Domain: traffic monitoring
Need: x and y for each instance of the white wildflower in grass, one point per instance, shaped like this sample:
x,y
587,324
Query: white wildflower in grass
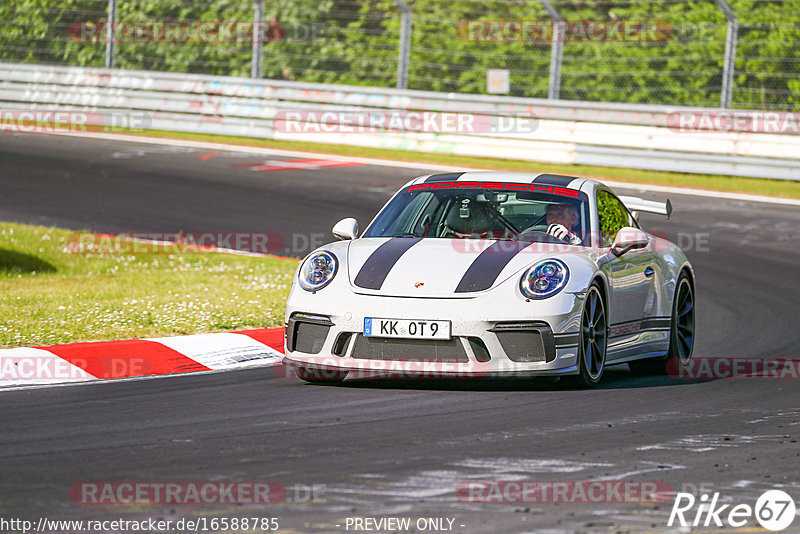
x,y
94,295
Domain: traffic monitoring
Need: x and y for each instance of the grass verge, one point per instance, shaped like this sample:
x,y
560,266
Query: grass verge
x,y
759,186
50,294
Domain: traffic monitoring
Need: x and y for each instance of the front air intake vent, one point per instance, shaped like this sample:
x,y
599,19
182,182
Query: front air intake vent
x,y
310,337
442,351
526,342
522,346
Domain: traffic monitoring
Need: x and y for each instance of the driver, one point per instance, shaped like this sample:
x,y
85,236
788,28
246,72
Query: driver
x,y
561,218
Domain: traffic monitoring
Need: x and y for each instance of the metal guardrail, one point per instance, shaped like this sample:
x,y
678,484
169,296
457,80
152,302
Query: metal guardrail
x,y
616,135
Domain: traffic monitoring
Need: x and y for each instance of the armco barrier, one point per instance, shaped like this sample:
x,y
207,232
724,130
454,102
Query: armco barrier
x,y
588,133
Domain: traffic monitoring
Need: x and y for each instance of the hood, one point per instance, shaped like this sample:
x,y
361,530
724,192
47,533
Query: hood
x,y
435,267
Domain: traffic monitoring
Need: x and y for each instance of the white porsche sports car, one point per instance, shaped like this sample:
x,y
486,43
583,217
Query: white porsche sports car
x,y
493,274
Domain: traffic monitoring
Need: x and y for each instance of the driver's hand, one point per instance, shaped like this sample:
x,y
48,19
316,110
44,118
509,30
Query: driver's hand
x,y
560,231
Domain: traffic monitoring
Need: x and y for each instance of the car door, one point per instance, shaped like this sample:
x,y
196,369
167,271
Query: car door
x,y
630,275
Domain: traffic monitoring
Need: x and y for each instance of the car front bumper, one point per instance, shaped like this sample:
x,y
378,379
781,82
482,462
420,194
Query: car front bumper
x,y
488,338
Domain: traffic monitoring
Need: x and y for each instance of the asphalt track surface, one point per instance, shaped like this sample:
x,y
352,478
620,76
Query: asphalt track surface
x,y
396,449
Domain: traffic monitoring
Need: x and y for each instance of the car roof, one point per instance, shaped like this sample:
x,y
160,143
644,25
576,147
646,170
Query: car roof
x,y
560,180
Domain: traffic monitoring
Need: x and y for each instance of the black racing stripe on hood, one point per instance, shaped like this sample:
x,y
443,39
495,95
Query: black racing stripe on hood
x,y
381,261
553,179
488,265
444,177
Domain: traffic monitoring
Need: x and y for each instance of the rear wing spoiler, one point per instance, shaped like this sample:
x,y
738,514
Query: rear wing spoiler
x,y
636,204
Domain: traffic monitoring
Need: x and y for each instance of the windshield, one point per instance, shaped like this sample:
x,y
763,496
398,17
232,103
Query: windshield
x,y
478,213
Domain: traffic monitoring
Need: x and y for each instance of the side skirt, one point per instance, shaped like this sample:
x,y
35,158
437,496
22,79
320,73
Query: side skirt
x,y
638,356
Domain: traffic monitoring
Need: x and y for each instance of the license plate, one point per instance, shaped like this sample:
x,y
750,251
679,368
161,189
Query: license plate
x,y
406,328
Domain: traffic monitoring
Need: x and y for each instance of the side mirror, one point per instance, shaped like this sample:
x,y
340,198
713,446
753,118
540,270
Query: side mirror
x,y
629,238
345,229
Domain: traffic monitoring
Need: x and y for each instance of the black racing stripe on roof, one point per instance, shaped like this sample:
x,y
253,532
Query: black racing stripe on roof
x,y
444,177
488,265
381,261
553,179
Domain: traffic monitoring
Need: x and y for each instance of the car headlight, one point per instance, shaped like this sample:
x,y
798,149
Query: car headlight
x,y
318,270
544,279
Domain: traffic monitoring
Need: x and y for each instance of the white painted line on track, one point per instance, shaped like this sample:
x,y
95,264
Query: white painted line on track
x,y
208,145
94,382
411,165
652,188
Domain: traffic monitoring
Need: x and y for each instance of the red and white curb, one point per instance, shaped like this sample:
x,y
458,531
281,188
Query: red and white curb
x,y
108,360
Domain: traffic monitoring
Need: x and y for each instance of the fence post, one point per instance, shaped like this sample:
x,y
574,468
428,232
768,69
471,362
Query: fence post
x,y
405,44
730,54
556,51
258,38
112,33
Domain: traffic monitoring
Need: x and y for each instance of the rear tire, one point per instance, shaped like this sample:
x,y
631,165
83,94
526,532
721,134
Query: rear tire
x,y
681,336
320,376
593,340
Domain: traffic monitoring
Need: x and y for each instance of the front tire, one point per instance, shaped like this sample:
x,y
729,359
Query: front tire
x,y
593,339
681,337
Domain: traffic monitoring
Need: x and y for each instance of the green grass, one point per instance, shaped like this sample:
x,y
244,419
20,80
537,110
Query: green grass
x,y
760,186
51,293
